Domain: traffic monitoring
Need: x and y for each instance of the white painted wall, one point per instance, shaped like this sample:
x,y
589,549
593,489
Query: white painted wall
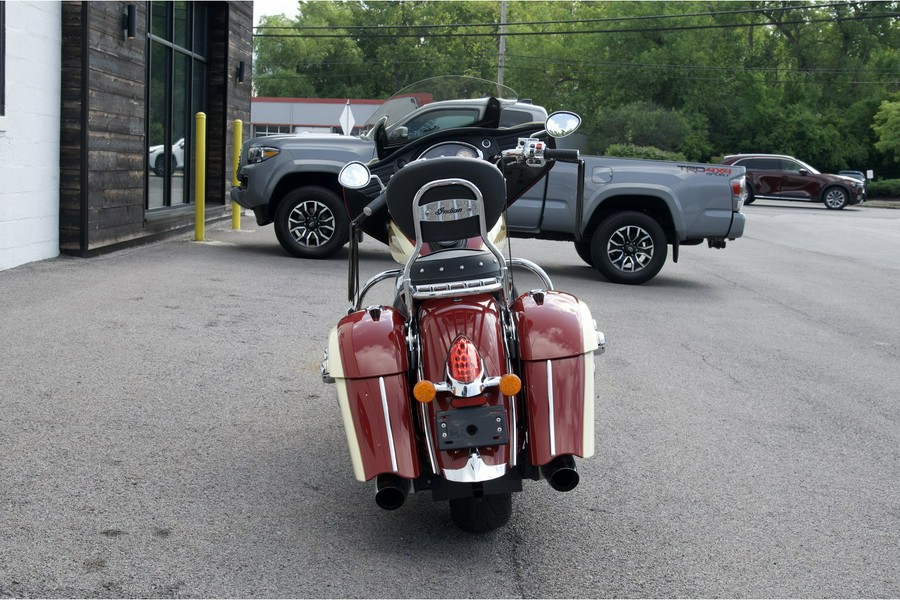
x,y
29,134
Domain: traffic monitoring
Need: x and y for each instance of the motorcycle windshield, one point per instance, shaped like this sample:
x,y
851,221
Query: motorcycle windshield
x,y
415,118
435,89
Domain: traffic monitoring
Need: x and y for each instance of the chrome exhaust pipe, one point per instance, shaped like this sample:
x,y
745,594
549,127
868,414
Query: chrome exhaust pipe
x,y
561,474
391,491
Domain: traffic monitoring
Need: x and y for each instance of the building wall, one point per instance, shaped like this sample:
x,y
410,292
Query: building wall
x,y
311,114
104,121
231,40
29,134
102,127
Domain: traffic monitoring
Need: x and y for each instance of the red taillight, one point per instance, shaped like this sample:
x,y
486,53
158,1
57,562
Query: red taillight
x,y
463,363
737,186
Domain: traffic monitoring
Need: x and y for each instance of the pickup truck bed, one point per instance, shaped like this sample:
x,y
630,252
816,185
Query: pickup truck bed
x,y
632,210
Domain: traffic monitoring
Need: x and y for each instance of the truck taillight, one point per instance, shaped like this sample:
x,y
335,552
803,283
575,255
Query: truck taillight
x,y
738,192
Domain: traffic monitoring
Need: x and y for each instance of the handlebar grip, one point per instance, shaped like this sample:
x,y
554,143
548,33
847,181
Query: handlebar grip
x,y
375,204
561,154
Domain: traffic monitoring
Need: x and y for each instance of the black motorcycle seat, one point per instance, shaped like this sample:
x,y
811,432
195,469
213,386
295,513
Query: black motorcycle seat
x,y
454,265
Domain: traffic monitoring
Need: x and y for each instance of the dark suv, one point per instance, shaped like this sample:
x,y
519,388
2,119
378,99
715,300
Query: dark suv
x,y
777,177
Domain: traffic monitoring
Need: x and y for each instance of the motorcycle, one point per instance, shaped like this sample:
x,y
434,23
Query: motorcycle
x,y
459,384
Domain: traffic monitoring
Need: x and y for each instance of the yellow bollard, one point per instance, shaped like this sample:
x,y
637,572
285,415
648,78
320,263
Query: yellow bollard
x,y
236,151
200,179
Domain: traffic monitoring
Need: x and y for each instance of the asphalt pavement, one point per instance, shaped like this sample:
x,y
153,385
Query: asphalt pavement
x,y
164,431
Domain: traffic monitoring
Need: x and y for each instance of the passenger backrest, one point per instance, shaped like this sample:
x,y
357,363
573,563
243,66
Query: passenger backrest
x,y
455,216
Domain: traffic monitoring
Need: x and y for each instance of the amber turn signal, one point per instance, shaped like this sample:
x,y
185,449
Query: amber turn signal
x,y
424,391
510,385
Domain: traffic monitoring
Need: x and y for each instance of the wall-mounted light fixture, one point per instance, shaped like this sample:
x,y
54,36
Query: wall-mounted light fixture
x,y
129,21
240,72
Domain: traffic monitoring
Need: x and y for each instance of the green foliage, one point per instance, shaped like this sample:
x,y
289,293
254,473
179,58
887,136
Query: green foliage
x,y
884,188
648,152
887,126
699,78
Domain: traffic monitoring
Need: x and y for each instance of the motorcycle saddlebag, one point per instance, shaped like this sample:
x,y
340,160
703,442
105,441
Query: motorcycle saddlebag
x,y
367,358
557,339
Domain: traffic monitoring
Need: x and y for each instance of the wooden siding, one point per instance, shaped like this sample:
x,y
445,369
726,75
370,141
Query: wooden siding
x,y
103,146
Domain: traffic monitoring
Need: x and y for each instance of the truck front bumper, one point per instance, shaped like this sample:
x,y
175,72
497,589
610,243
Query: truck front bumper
x,y
245,200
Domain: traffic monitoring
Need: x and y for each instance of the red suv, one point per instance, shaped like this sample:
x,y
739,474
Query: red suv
x,y
777,177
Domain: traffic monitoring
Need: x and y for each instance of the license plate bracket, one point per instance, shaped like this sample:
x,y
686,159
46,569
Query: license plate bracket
x,y
473,427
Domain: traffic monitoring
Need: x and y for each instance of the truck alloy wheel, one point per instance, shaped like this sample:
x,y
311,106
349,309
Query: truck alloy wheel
x,y
629,247
311,222
835,198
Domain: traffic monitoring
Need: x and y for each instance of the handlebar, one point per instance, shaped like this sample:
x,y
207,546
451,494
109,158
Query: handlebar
x,y
534,152
561,154
375,204
371,208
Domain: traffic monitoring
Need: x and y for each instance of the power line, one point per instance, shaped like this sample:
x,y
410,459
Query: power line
x,y
617,64
590,31
794,76
556,22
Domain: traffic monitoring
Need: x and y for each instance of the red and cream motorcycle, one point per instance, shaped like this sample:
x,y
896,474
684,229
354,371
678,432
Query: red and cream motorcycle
x,y
457,383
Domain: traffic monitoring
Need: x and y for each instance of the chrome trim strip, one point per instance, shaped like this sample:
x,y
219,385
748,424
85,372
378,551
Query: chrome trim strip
x,y
513,435
460,288
552,416
466,390
475,470
387,423
429,438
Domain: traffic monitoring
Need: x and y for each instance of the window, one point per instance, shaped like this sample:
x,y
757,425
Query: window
x,y
264,130
178,90
790,166
510,117
438,119
770,164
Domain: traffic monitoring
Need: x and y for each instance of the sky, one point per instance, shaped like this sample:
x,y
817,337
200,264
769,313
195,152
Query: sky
x,y
273,7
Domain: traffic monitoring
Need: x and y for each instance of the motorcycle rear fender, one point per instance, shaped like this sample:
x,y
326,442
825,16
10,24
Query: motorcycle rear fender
x,y
368,360
478,318
557,339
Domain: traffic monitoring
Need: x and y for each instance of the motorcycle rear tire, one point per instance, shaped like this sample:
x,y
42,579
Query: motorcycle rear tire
x,y
480,515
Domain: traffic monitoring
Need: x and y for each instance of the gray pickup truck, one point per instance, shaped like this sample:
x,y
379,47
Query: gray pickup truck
x,y
631,211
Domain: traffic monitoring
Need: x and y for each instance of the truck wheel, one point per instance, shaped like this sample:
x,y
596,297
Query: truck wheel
x,y
159,167
480,515
311,222
629,247
835,198
584,251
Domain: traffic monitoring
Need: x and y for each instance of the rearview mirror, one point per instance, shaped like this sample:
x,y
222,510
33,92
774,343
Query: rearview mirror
x,y
355,175
560,124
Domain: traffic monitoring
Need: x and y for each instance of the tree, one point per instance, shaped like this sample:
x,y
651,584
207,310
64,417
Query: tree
x,y
887,127
714,78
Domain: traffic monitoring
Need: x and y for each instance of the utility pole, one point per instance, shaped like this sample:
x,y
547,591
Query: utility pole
x,y
502,58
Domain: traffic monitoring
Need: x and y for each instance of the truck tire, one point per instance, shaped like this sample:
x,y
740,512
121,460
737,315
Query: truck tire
x,y
311,222
750,196
480,515
584,251
159,167
629,247
835,198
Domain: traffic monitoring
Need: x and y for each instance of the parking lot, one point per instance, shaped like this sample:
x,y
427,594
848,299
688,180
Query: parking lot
x,y
165,432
